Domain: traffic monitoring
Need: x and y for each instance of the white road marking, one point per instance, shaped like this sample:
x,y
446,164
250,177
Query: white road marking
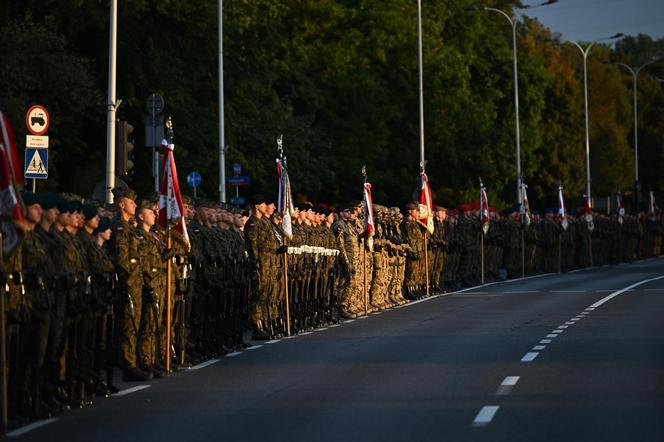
x,y
570,323
235,353
653,290
551,336
204,364
320,329
568,291
557,331
377,313
574,271
348,321
253,347
616,293
539,347
485,416
334,325
304,333
575,319
545,341
530,356
273,341
506,386
563,326
362,317
606,290
520,292
33,426
131,390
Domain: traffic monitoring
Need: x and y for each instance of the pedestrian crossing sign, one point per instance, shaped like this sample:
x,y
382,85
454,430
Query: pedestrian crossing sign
x,y
36,163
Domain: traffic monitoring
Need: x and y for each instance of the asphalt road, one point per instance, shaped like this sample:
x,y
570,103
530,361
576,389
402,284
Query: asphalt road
x,y
560,357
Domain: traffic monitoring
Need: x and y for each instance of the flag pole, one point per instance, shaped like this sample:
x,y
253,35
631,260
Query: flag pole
x,y
168,303
523,250
288,332
169,127
482,254
364,271
3,351
426,261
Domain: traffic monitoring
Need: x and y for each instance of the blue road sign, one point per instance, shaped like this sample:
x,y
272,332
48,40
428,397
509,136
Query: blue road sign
x,y
194,179
36,163
237,169
238,200
242,180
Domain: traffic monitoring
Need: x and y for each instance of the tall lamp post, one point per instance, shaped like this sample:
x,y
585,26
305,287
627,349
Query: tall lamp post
x,y
585,53
513,22
635,81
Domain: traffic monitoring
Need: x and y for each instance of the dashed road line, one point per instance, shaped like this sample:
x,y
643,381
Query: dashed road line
x,y
506,386
545,341
563,326
568,291
485,416
550,335
233,354
33,426
273,341
204,364
539,347
253,347
530,356
131,390
570,323
521,292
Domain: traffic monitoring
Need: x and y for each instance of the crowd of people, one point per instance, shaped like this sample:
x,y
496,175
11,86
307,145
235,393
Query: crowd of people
x,y
87,291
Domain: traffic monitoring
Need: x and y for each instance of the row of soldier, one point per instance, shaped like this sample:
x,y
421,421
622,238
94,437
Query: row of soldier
x,y
87,293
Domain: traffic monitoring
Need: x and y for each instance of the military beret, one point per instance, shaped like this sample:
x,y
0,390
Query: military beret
x,y
412,206
90,210
29,198
48,200
439,209
75,206
120,192
62,204
104,224
305,206
257,199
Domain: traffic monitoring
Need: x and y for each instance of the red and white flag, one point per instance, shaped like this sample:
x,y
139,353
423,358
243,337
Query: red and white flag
x,y
426,204
620,208
369,226
171,209
484,209
11,205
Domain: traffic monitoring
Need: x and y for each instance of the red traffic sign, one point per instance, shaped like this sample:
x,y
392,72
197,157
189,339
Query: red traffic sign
x,y
37,120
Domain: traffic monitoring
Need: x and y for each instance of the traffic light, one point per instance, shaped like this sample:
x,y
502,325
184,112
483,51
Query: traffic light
x,y
124,147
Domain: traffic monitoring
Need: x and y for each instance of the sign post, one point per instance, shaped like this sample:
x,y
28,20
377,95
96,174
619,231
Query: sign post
x,y
37,121
194,180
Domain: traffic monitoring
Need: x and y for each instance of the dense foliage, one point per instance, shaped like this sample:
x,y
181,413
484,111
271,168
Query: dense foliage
x,y
339,79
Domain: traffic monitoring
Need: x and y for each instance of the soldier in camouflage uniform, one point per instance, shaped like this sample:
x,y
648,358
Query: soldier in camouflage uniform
x,y
127,248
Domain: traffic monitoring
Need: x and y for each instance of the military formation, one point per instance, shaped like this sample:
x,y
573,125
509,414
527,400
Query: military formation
x,y
87,292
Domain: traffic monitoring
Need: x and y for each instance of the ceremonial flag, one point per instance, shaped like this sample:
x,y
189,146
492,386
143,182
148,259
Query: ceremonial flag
x,y
285,200
369,226
11,205
586,204
484,209
525,207
426,204
562,213
171,209
652,205
620,208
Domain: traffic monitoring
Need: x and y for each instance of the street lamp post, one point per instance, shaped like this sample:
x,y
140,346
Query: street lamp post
x,y
585,53
513,22
635,81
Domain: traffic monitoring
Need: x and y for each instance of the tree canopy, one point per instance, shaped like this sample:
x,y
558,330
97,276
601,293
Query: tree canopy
x,y
340,80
